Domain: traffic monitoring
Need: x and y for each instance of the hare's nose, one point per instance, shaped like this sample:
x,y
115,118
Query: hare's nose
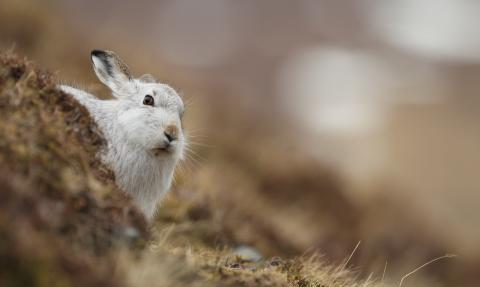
x,y
171,132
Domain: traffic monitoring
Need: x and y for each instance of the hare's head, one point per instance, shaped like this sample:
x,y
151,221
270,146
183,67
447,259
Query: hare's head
x,y
149,114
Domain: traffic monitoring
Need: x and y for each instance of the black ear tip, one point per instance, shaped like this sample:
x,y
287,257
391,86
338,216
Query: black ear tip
x,y
98,53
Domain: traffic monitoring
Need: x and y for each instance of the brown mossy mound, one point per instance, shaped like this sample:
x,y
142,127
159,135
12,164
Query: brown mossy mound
x,y
63,221
59,205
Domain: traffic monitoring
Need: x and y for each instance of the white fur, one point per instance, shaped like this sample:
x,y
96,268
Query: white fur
x,y
133,130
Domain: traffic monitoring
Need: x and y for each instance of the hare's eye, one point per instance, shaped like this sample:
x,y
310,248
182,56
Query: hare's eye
x,y
148,100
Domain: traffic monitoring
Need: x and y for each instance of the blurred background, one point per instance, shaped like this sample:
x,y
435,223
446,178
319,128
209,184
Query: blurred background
x,y
315,124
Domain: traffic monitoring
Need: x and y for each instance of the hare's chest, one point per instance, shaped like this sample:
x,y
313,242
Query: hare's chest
x,y
138,172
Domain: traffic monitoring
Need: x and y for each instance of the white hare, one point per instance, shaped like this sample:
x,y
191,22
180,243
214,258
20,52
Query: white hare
x,y
142,126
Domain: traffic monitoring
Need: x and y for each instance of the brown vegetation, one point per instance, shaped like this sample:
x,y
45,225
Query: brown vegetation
x,y
63,222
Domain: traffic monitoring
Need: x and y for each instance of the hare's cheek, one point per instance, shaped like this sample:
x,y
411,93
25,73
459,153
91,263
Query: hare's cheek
x,y
133,128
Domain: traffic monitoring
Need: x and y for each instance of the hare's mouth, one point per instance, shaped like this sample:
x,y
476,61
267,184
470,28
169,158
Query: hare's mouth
x,y
163,150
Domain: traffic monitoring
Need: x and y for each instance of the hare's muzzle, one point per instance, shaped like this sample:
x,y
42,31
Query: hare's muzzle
x,y
171,133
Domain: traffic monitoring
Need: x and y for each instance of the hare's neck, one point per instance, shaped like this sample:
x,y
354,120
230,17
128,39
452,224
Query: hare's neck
x,y
143,176
102,111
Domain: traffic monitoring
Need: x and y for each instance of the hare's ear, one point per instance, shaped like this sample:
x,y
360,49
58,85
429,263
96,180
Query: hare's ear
x,y
147,78
110,69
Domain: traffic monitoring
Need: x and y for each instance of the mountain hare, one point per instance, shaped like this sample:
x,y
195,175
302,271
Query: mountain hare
x,y
142,126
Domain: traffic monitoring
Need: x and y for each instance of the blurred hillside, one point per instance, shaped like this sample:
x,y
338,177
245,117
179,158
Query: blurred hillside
x,y
63,222
317,124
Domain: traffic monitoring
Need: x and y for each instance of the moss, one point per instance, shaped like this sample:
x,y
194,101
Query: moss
x,y
53,184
